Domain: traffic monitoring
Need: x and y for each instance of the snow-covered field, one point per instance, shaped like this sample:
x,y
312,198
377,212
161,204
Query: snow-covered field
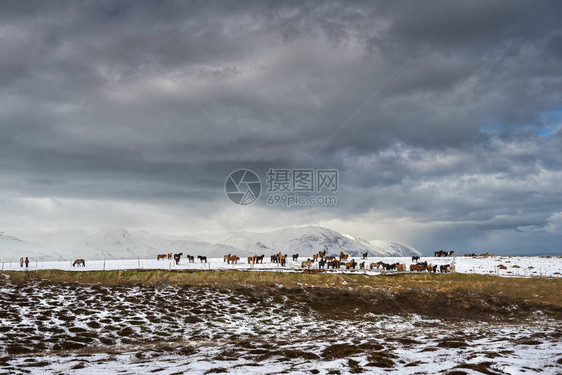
x,y
94,329
521,266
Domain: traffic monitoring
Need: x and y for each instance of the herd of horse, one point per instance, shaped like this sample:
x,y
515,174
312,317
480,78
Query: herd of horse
x,y
335,262
484,255
322,259
177,257
443,253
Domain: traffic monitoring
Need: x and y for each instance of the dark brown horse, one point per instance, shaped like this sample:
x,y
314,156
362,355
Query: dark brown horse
x,y
445,268
79,262
177,258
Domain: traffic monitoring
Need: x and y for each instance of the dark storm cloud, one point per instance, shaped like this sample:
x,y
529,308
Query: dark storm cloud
x,y
465,136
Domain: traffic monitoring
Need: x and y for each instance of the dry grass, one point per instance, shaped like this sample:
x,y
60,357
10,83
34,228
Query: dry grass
x,y
544,290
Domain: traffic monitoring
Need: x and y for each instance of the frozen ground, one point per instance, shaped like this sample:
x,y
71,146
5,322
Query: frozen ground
x,y
550,266
92,329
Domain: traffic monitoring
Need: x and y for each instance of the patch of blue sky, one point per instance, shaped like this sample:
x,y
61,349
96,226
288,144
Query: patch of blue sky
x,y
551,120
546,124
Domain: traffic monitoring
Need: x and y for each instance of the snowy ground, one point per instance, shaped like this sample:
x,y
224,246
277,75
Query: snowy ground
x,y
516,266
94,329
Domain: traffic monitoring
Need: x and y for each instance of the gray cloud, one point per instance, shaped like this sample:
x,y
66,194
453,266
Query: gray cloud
x,y
463,142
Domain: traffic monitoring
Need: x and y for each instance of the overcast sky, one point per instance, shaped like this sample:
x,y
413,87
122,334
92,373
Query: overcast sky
x,y
442,118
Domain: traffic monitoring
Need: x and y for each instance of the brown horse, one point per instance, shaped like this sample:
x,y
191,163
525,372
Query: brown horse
x,y
343,256
232,258
322,254
334,264
418,267
377,265
315,258
79,262
162,256
252,259
169,256
306,263
282,259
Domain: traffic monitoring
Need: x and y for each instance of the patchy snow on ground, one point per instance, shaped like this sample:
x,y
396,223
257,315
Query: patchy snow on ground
x,y
95,329
520,266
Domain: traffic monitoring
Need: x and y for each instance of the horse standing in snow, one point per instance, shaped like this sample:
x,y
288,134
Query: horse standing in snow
x,y
79,262
177,258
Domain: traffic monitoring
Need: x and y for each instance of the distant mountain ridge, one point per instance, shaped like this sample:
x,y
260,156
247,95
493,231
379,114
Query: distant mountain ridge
x,y
125,243
307,241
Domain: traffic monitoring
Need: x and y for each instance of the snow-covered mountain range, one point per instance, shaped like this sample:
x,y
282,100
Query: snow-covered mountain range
x,y
130,244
